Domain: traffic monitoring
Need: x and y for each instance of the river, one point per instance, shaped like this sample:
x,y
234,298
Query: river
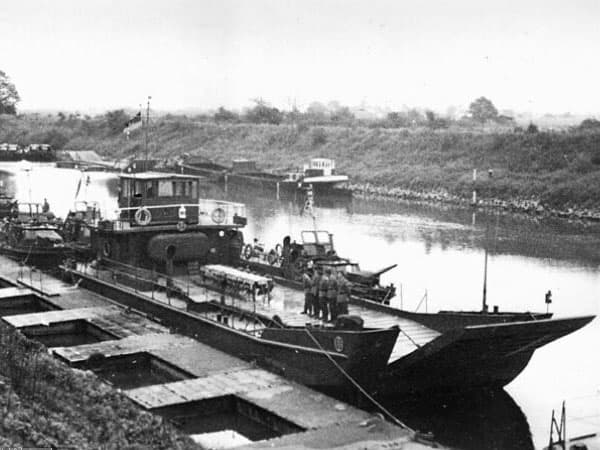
x,y
440,256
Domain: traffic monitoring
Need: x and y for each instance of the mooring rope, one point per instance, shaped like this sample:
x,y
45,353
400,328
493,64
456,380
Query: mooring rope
x,y
359,387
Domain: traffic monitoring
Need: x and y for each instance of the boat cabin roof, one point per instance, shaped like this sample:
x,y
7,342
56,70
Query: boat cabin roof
x,y
157,176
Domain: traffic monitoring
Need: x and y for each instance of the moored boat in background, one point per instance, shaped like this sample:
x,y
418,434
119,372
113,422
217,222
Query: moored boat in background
x,y
33,237
289,260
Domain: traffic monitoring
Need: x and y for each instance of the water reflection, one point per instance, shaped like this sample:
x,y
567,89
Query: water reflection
x,y
486,420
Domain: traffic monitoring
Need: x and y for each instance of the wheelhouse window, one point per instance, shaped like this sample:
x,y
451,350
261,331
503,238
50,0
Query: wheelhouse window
x,y
125,188
139,188
185,189
165,188
150,191
323,237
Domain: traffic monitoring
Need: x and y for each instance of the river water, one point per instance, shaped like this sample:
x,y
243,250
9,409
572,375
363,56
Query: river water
x,y
440,256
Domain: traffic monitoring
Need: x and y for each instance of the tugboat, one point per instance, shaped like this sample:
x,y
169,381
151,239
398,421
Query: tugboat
x,y
33,237
289,261
163,225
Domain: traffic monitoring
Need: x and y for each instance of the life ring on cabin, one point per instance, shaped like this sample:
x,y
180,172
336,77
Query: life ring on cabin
x,y
143,216
181,226
218,215
106,249
248,251
279,250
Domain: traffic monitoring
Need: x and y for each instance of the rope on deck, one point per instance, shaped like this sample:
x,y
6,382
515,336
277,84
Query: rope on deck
x,y
359,387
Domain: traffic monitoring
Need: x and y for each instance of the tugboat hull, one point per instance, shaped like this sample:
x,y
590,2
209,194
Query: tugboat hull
x,y
151,248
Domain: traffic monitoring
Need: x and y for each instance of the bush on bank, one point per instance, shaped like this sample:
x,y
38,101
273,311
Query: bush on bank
x,y
561,169
44,403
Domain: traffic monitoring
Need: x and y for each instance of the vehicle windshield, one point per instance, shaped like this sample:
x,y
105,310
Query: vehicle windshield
x,y
309,237
51,235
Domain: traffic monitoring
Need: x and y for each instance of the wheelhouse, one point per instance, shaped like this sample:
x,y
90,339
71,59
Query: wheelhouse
x,y
156,198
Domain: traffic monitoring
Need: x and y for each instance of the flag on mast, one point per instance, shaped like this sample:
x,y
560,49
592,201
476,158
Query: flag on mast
x,y
133,124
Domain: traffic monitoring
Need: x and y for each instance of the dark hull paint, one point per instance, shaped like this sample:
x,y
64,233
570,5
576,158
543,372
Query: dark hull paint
x,y
484,356
36,257
307,365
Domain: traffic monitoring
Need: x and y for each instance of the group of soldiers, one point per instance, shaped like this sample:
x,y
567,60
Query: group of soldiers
x,y
326,294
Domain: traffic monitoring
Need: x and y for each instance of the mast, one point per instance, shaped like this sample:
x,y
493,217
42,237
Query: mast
x,y
147,126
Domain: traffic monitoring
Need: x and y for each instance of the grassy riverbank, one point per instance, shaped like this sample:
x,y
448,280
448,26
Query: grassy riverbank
x,y
44,403
560,169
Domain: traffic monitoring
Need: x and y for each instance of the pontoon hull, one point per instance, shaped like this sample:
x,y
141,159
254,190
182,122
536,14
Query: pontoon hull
x,y
479,356
361,354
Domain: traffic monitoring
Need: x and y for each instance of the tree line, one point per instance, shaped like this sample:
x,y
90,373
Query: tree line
x,y
481,111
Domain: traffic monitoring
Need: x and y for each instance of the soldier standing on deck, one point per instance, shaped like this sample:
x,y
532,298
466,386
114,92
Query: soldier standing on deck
x,y
316,280
323,288
343,296
307,285
332,296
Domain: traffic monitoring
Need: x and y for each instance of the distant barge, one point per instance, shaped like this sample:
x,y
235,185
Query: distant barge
x,y
32,152
319,175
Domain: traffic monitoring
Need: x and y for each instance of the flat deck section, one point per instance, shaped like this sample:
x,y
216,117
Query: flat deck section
x,y
186,353
14,292
288,304
50,317
293,402
112,319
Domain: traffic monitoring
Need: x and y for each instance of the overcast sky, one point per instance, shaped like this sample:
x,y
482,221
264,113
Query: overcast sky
x,y
539,56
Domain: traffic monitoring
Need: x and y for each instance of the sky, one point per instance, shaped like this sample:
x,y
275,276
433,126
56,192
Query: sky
x,y
535,56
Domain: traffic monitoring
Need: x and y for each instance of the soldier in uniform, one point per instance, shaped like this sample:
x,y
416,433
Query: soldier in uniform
x,y
316,279
307,286
332,296
323,288
343,296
